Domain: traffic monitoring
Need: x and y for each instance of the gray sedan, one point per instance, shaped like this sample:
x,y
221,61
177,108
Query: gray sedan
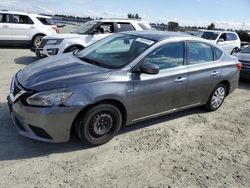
x,y
122,79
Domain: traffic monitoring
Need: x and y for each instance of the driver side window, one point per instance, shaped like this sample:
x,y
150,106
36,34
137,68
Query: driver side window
x,y
167,56
105,28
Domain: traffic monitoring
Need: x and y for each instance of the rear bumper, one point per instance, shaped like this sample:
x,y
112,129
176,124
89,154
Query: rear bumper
x,y
50,124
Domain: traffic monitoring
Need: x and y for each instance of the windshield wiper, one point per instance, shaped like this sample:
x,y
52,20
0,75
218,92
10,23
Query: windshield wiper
x,y
91,61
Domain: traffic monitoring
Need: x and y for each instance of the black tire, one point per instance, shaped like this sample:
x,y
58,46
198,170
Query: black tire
x,y
234,51
37,41
74,49
99,124
216,98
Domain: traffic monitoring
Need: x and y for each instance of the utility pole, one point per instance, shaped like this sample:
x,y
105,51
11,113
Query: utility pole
x,y
243,25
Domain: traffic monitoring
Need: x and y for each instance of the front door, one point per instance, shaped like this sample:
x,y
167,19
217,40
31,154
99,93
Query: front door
x,y
5,31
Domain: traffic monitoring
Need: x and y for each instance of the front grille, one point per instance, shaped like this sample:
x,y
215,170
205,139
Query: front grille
x,y
43,43
245,64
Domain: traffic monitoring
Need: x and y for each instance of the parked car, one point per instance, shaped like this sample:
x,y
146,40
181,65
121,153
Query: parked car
x,y
244,44
244,58
227,40
122,79
87,34
19,28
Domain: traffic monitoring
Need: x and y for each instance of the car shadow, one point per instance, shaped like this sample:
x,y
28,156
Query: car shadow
x,y
14,147
25,60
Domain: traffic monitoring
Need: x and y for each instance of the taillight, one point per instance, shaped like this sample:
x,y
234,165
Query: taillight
x,y
238,66
55,28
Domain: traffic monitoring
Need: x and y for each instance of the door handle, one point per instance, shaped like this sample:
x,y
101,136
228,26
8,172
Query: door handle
x,y
32,27
180,79
5,26
215,73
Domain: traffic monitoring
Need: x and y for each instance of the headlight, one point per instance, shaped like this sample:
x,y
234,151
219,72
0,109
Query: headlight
x,y
49,98
54,41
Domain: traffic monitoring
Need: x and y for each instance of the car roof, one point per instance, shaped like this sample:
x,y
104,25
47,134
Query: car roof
x,y
216,31
23,13
158,35
120,20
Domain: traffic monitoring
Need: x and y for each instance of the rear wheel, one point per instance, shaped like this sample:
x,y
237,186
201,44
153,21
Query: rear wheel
x,y
37,41
216,98
99,124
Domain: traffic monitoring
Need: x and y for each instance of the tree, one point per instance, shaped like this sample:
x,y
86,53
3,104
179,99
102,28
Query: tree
x,y
173,26
244,36
211,26
134,16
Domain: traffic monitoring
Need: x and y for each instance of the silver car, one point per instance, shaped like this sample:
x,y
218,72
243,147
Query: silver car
x,y
122,79
244,58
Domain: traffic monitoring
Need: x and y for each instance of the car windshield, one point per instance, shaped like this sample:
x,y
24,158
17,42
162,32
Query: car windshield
x,y
246,50
85,28
115,51
208,35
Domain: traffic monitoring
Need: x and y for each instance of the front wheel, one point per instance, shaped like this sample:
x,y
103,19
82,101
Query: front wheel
x,y
235,51
99,124
75,49
216,98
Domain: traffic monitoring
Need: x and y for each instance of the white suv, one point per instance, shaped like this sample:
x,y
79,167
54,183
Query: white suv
x,y
227,40
23,28
87,34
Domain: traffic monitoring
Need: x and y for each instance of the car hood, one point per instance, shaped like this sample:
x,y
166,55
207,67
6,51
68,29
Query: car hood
x,y
60,72
63,36
243,57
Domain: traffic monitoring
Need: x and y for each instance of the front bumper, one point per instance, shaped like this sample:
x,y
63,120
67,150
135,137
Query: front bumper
x,y
245,74
43,52
48,124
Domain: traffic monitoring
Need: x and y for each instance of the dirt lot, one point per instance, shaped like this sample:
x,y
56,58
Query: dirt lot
x,y
187,149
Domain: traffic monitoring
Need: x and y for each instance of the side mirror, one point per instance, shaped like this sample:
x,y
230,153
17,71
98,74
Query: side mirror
x,y
220,40
94,31
149,68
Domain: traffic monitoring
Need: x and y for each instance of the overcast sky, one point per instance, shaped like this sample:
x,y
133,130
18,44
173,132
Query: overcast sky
x,y
224,13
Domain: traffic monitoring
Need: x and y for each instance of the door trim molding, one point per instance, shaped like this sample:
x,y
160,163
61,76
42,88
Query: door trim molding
x,y
166,112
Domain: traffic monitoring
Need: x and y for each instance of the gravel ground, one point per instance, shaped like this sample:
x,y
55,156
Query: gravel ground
x,y
192,148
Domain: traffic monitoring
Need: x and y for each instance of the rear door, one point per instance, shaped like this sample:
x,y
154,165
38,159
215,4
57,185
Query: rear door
x,y
165,91
123,26
21,27
232,39
5,31
204,71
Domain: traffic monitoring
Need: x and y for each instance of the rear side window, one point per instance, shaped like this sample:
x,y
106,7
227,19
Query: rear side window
x,y
231,36
45,21
144,26
167,56
124,27
217,53
22,19
4,18
199,53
